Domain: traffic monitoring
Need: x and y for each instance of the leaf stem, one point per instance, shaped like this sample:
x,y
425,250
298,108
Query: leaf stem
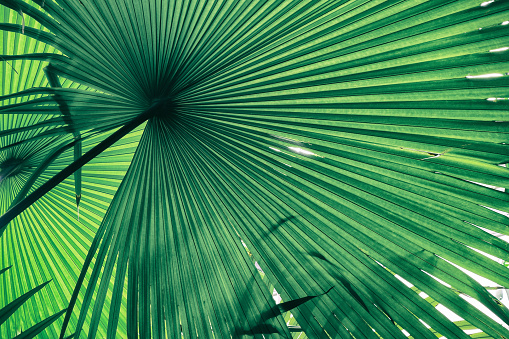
x,y
18,208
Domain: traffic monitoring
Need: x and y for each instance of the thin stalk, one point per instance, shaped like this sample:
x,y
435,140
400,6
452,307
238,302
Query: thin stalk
x,y
16,210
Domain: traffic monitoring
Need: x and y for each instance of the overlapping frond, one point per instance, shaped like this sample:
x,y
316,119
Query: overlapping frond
x,y
12,307
344,143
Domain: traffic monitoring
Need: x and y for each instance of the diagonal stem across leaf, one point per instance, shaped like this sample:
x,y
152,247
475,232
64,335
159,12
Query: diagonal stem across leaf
x,y
18,208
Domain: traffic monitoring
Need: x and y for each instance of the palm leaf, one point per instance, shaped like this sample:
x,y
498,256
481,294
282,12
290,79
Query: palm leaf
x,y
344,143
33,331
8,310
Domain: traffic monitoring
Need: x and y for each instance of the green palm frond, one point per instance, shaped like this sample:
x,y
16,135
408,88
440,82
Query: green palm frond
x,y
8,310
348,145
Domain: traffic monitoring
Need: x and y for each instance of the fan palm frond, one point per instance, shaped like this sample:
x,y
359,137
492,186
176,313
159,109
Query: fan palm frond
x,y
9,309
347,145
